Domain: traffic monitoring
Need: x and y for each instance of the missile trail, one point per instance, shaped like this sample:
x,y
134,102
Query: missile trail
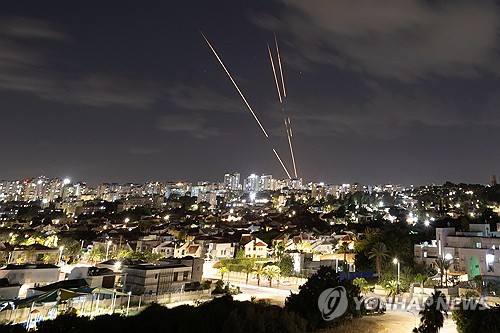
x,y
279,63
286,120
245,100
235,85
289,132
279,159
274,72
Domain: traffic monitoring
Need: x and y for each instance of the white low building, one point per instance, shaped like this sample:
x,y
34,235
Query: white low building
x,y
30,276
476,252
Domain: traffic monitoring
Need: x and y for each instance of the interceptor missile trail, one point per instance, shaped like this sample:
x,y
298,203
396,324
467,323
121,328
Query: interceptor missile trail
x,y
279,159
279,63
245,100
235,85
286,120
289,131
274,72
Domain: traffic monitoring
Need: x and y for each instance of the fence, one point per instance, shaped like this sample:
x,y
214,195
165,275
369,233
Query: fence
x,y
93,306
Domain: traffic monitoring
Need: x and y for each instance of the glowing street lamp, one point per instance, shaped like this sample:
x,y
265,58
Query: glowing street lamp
x,y
107,249
128,302
396,262
60,253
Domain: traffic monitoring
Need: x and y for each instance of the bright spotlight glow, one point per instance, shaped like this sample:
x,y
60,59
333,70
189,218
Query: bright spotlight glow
x,y
395,261
66,181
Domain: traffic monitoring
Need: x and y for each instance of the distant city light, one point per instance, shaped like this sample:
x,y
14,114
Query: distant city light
x,y
66,181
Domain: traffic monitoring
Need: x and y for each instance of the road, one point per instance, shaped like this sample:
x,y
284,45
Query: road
x,y
394,320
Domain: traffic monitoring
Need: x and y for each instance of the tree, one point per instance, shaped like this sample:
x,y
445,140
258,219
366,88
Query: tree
x,y
49,258
258,269
96,254
247,269
432,315
379,253
223,270
305,303
271,272
362,284
471,317
443,265
421,279
279,250
392,289
344,248
478,281
286,265
71,247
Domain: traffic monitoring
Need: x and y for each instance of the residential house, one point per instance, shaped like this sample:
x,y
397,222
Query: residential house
x,y
156,279
30,275
472,253
253,247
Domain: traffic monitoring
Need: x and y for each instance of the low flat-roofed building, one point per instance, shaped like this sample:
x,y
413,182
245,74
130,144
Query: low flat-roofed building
x,y
156,279
30,275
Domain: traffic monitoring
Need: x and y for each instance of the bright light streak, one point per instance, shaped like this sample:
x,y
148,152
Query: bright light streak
x,y
235,85
279,63
291,153
274,73
279,159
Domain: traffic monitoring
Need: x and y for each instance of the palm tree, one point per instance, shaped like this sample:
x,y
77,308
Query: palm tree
x,y
380,253
432,318
247,269
259,270
344,248
95,254
392,289
421,279
48,257
271,272
362,284
279,250
443,265
223,270
478,280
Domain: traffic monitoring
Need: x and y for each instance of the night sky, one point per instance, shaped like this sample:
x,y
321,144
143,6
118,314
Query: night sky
x,y
128,91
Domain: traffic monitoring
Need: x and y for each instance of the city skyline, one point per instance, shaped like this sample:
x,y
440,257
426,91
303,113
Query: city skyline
x,y
398,92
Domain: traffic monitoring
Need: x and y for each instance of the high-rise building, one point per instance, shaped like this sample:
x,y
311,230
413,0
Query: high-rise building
x,y
265,183
251,183
493,180
232,181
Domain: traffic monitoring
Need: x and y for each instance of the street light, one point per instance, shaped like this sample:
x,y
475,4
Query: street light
x,y
60,253
107,249
396,262
128,302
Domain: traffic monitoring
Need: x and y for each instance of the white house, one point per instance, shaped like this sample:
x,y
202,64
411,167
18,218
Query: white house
x,y
476,252
30,276
256,248
221,250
